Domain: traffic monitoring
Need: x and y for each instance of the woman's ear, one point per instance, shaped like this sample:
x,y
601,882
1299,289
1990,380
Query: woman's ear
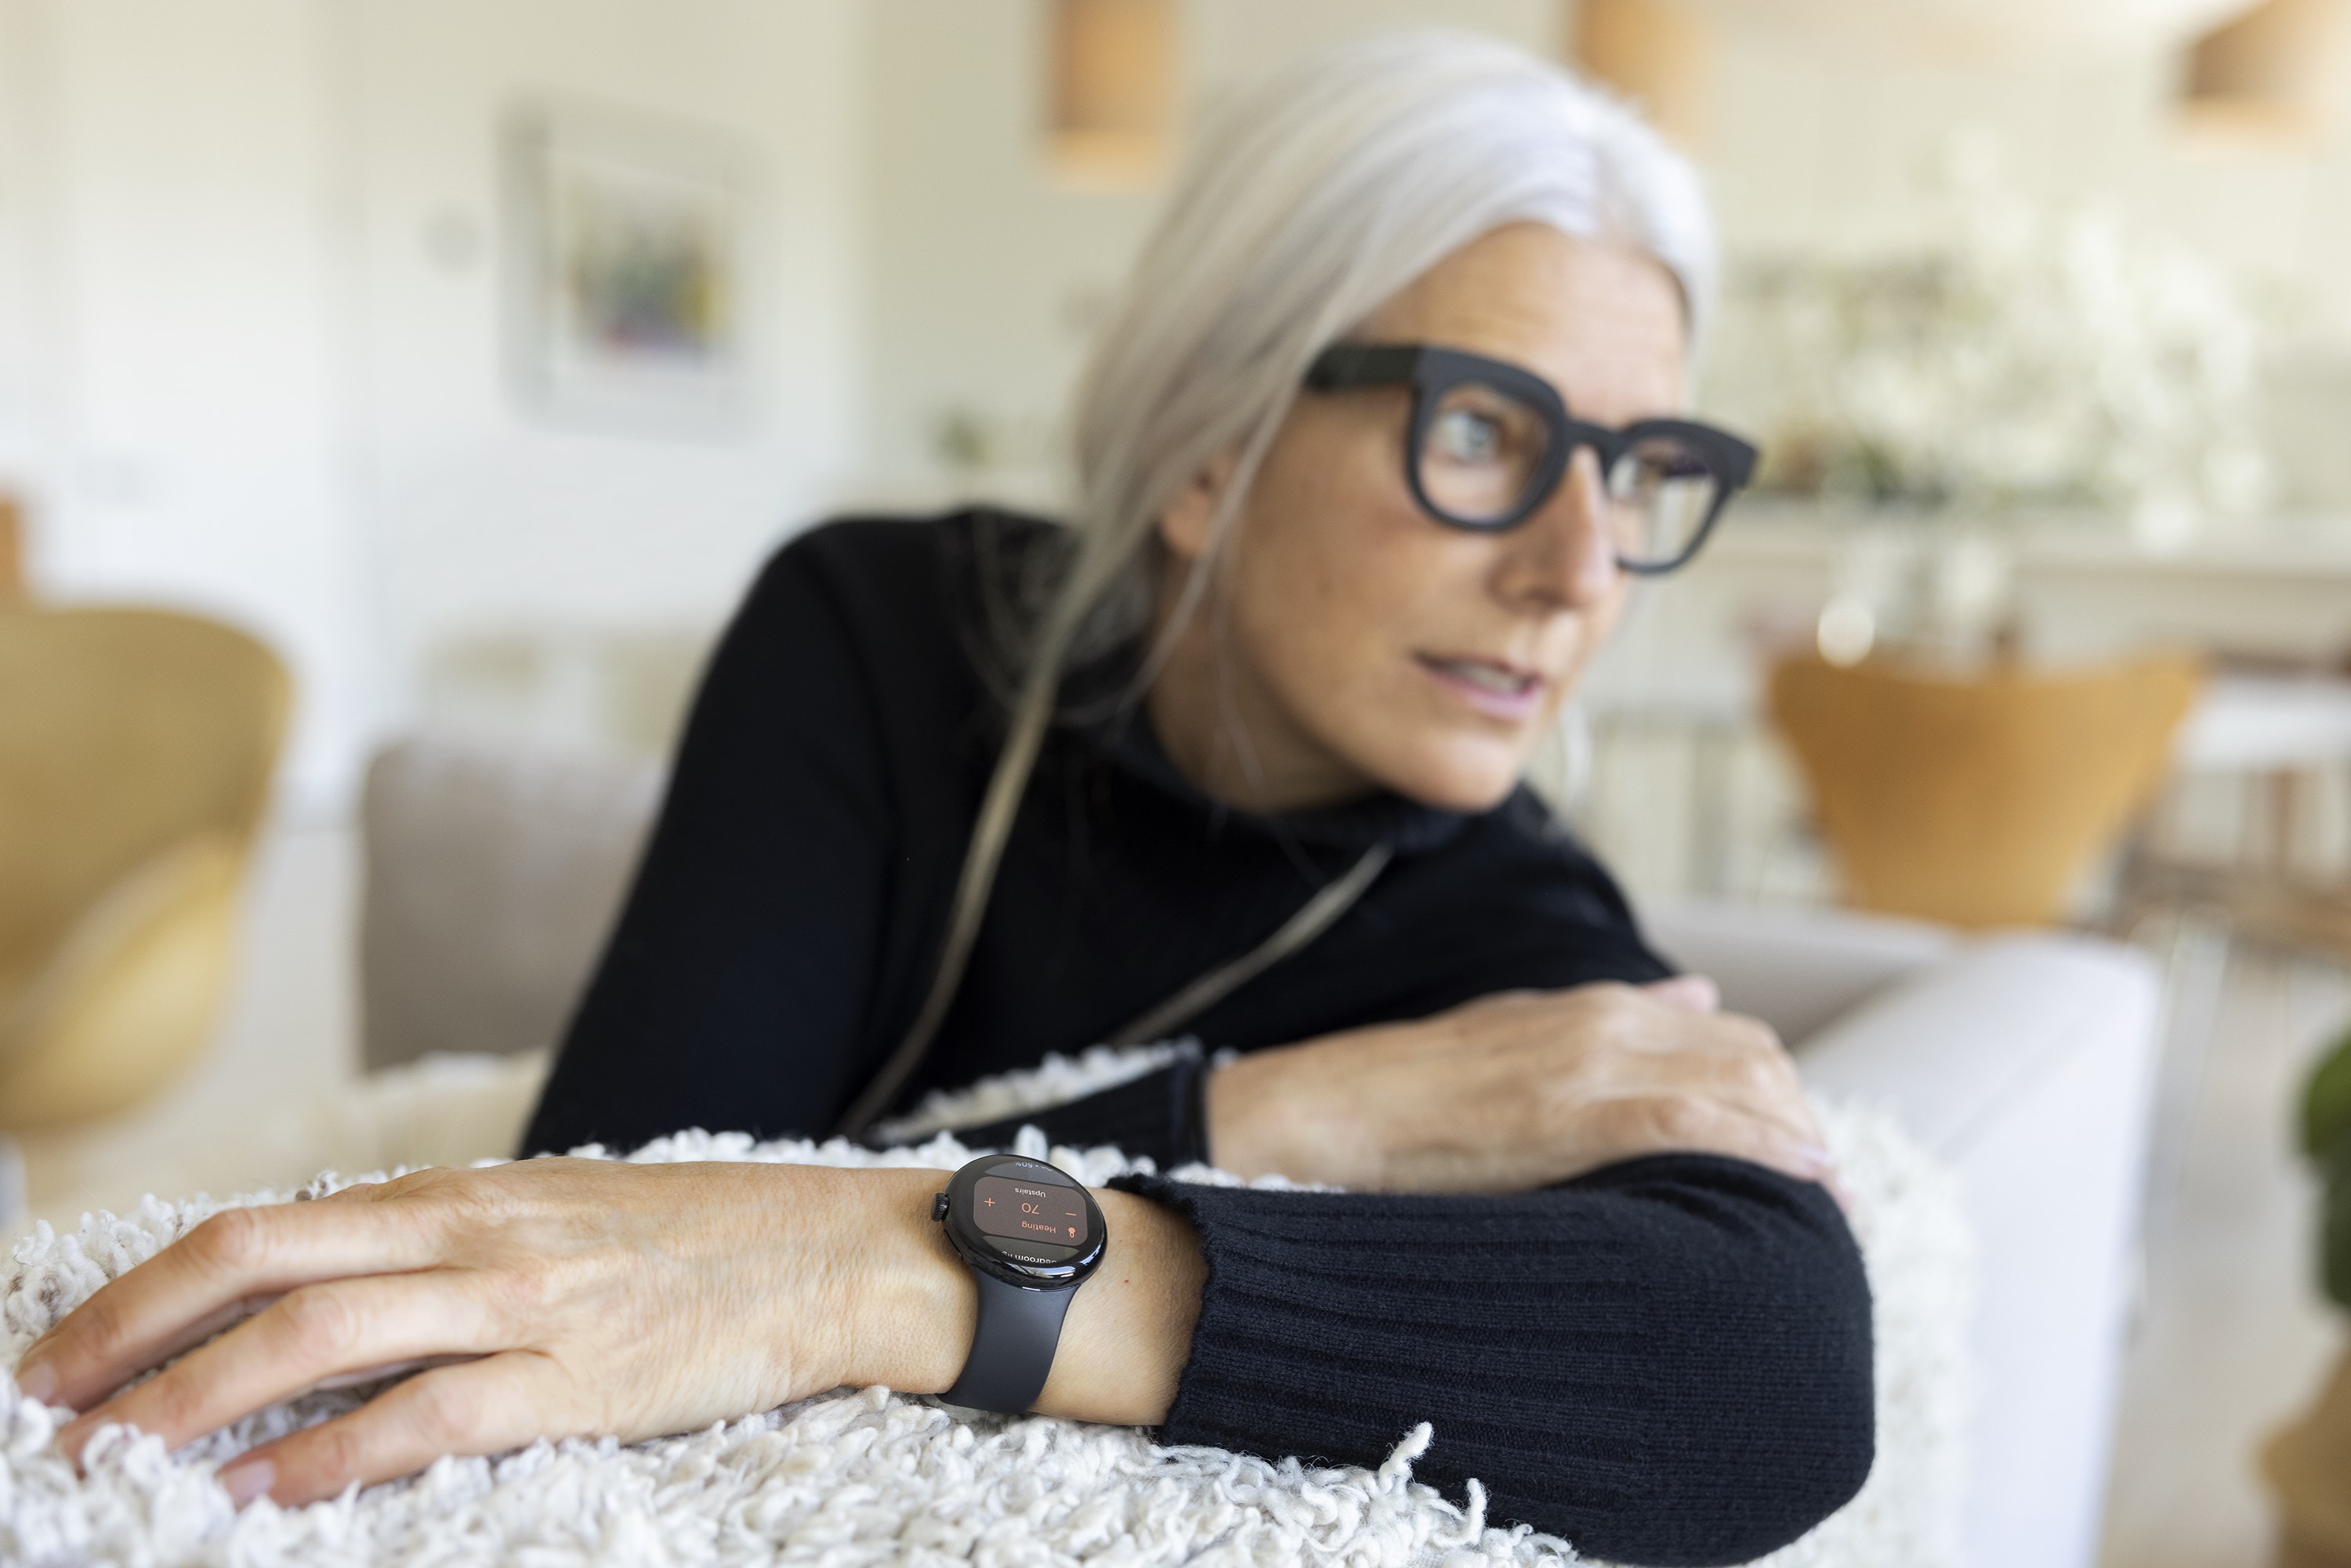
x,y
1188,523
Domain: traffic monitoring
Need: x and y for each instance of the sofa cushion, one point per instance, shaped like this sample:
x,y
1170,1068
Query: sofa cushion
x,y
1795,968
1952,1048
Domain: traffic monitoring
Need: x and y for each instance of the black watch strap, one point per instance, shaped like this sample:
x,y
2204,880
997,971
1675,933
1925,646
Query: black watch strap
x,y
1012,1351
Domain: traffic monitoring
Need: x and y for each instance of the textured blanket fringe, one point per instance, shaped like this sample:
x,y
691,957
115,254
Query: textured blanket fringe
x,y
1056,1080
870,1477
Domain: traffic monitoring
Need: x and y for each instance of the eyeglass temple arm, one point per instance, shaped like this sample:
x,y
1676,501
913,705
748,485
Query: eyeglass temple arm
x,y
1738,458
1362,365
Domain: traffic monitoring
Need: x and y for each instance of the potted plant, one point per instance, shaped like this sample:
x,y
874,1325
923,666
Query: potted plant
x,y
2308,1464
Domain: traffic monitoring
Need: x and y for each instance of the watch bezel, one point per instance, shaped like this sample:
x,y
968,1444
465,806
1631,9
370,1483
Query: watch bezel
x,y
984,1252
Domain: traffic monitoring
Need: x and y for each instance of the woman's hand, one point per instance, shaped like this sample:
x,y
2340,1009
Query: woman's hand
x,y
556,1297
1517,1091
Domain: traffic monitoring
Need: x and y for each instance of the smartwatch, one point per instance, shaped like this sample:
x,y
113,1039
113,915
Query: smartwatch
x,y
1030,1236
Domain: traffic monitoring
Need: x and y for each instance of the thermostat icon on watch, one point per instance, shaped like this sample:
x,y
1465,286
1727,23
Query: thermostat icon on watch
x,y
1031,1235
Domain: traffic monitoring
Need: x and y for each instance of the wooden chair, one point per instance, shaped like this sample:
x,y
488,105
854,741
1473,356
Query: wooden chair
x,y
2277,733
12,548
136,748
1976,802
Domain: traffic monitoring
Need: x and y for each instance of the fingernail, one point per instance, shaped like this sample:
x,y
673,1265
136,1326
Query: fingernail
x,y
36,1382
247,1480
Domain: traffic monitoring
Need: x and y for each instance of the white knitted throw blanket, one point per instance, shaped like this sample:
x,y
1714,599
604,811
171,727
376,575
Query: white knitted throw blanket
x,y
866,1476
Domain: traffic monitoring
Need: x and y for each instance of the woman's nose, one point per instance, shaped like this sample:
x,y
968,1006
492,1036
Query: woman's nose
x,y
1564,557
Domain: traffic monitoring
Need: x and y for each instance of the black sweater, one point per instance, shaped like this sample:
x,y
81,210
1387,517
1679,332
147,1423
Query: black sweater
x,y
1666,1362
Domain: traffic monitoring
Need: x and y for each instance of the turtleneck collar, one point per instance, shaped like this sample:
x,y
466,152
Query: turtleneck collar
x,y
1406,826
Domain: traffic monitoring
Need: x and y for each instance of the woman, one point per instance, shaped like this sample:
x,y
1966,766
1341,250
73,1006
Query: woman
x,y
1342,551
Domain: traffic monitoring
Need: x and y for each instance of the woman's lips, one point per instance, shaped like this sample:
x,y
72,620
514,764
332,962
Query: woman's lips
x,y
1497,690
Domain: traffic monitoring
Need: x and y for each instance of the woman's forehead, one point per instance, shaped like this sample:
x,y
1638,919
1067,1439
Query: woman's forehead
x,y
1602,322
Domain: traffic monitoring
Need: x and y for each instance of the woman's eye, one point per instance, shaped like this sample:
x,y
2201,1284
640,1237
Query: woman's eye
x,y
1463,436
1648,472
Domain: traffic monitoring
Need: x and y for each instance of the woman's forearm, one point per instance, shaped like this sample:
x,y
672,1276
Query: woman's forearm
x,y
575,1297
1666,1361
1123,1344
1517,1091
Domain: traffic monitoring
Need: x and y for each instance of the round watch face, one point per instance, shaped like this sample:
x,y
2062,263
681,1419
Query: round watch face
x,y
1024,1221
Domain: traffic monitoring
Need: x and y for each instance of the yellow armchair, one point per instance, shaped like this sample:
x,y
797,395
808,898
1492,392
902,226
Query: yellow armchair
x,y
136,750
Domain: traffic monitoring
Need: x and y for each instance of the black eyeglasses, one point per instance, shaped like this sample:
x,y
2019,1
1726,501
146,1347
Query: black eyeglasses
x,y
1488,444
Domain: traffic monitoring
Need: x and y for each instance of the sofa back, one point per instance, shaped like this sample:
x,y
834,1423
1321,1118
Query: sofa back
x,y
494,872
493,876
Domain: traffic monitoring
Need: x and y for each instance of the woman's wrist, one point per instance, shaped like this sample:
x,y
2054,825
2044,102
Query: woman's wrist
x,y
1129,1331
1259,1124
911,1308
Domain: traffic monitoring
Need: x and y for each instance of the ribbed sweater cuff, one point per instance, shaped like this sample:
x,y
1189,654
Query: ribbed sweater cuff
x,y
1666,1361
1276,1363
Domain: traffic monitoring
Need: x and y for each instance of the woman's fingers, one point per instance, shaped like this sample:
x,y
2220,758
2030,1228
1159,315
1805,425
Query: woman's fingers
x,y
1696,1123
1691,993
358,1192
1716,1057
314,1335
477,1408
219,1272
1764,1080
1727,1057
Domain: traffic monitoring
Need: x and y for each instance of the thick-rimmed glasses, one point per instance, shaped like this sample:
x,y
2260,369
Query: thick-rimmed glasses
x,y
1489,442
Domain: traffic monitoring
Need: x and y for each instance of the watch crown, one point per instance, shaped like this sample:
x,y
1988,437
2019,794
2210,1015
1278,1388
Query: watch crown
x,y
938,1206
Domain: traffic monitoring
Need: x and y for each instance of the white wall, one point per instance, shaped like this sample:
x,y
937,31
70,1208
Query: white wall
x,y
989,273
988,276
233,376
249,295
23,201
1816,145
176,410
486,516
1813,143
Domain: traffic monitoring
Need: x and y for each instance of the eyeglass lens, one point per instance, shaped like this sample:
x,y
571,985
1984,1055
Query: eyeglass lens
x,y
1482,454
1660,494
1483,457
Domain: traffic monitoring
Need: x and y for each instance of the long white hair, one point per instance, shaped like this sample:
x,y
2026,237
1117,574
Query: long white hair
x,y
1306,206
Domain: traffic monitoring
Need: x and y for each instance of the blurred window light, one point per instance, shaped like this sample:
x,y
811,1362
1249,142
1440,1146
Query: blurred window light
x,y
2266,73
1655,52
1112,74
1847,631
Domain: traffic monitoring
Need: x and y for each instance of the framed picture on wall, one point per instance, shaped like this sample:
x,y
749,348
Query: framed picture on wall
x,y
635,282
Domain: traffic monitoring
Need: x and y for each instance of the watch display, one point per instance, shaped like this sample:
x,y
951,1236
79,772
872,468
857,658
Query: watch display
x,y
1024,1221
1026,1209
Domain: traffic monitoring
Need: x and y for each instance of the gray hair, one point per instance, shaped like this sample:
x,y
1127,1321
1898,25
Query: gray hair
x,y
1307,205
